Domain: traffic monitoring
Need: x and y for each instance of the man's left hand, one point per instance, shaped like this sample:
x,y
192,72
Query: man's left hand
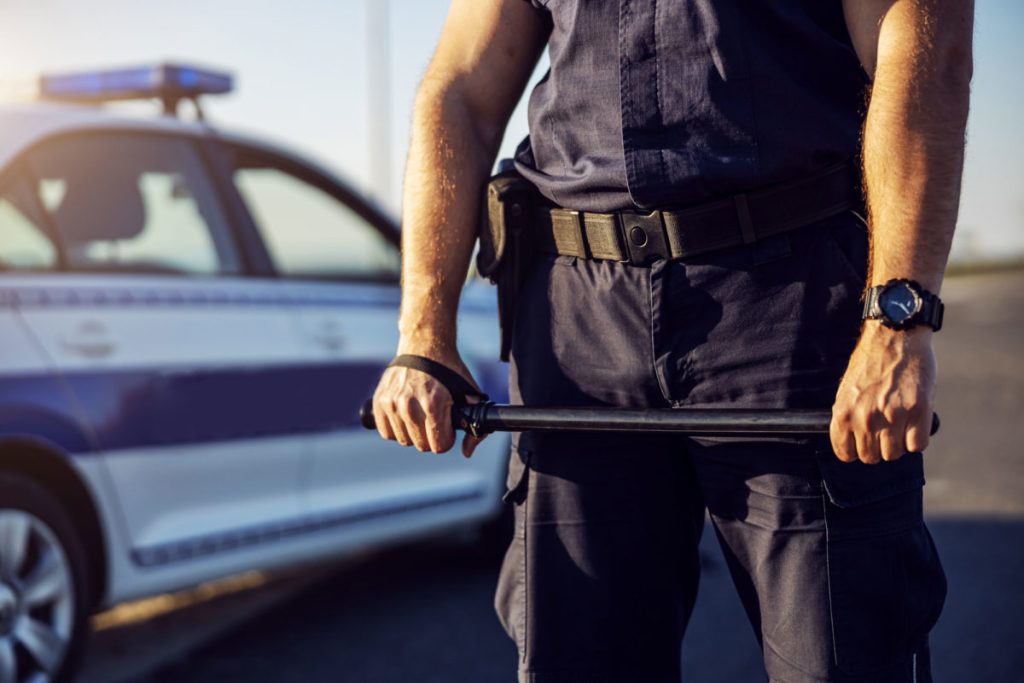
x,y
883,408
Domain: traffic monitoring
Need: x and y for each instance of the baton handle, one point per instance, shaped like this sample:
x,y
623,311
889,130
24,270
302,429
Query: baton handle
x,y
485,417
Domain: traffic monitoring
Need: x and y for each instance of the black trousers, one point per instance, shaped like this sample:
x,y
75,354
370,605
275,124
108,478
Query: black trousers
x,y
832,561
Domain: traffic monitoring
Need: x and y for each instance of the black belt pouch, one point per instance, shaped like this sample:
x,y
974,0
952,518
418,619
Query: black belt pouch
x,y
504,253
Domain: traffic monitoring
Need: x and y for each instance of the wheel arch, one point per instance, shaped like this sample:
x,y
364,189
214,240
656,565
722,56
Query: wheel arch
x,y
45,464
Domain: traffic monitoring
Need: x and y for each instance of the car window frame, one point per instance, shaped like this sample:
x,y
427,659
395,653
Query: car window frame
x,y
323,181
195,142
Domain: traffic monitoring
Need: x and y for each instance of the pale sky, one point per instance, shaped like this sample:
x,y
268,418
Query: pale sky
x,y
301,73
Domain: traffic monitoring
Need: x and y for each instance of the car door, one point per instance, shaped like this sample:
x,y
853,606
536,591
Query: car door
x,y
340,260
178,363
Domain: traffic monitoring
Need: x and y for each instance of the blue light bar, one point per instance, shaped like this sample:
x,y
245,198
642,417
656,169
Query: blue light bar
x,y
168,82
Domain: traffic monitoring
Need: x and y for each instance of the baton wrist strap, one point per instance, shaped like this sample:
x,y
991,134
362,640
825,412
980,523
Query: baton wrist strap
x,y
456,384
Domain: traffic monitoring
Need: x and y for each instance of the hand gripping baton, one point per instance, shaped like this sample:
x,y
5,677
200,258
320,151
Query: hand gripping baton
x,y
486,417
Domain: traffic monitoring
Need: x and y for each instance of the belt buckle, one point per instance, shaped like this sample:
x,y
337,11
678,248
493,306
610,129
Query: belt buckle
x,y
643,237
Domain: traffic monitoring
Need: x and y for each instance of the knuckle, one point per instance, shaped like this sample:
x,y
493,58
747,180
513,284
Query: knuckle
x,y
917,443
841,418
844,455
870,458
862,414
894,414
436,404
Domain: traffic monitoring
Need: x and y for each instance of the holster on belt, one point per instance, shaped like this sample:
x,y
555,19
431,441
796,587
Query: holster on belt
x,y
505,253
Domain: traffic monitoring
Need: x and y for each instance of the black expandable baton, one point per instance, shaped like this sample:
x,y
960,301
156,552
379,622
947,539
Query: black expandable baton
x,y
486,417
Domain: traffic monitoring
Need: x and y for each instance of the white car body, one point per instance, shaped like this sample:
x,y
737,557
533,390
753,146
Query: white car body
x,y
210,422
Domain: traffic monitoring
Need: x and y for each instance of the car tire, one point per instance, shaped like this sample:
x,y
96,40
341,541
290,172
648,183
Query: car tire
x,y
43,584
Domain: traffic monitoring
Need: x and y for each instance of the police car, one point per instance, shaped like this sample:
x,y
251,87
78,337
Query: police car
x,y
189,322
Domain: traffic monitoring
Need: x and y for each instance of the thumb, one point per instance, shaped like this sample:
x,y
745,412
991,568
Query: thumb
x,y
469,444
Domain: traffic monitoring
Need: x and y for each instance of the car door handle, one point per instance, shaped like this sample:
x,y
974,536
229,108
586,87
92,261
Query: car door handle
x,y
329,336
90,340
90,348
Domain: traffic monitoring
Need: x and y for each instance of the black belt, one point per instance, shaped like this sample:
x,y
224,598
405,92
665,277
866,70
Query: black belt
x,y
640,238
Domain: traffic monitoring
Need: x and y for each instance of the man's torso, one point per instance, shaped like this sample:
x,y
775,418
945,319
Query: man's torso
x,y
666,103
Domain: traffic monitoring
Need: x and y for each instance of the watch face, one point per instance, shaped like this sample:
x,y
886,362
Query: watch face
x,y
899,303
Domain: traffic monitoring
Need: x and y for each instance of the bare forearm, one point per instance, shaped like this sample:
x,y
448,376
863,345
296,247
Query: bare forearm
x,y
449,160
920,54
914,138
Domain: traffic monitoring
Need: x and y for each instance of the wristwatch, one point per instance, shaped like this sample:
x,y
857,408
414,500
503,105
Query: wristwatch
x,y
902,304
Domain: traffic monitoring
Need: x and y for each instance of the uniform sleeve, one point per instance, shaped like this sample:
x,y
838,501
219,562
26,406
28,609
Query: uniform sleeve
x,y
538,4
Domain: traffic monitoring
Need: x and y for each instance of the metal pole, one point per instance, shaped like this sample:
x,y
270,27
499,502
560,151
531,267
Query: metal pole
x,y
378,62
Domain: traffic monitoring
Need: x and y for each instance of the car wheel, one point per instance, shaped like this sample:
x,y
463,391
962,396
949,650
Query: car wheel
x,y
42,585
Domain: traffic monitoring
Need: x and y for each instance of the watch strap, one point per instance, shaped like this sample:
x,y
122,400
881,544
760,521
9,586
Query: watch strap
x,y
870,311
932,310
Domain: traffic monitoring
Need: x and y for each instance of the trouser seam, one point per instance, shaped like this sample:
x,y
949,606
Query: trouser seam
x,y
524,617
828,575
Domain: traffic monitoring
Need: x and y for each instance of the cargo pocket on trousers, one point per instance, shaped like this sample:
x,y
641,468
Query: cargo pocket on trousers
x,y
510,596
885,581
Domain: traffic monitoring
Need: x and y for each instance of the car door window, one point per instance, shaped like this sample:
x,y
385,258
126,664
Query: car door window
x,y
309,232
24,243
133,202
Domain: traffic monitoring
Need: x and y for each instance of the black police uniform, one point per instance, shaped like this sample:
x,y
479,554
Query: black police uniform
x,y
669,103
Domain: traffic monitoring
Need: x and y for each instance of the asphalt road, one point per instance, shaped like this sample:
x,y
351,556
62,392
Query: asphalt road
x,y
424,612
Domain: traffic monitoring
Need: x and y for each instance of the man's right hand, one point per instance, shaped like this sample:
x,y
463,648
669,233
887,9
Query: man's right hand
x,y
414,409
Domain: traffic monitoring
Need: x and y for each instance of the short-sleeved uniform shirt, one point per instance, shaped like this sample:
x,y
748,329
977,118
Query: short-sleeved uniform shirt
x,y
666,103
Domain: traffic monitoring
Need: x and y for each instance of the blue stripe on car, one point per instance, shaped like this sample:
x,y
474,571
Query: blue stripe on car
x,y
36,408
140,408
167,407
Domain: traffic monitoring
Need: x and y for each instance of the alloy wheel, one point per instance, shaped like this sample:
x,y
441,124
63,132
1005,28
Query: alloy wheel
x,y
37,599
